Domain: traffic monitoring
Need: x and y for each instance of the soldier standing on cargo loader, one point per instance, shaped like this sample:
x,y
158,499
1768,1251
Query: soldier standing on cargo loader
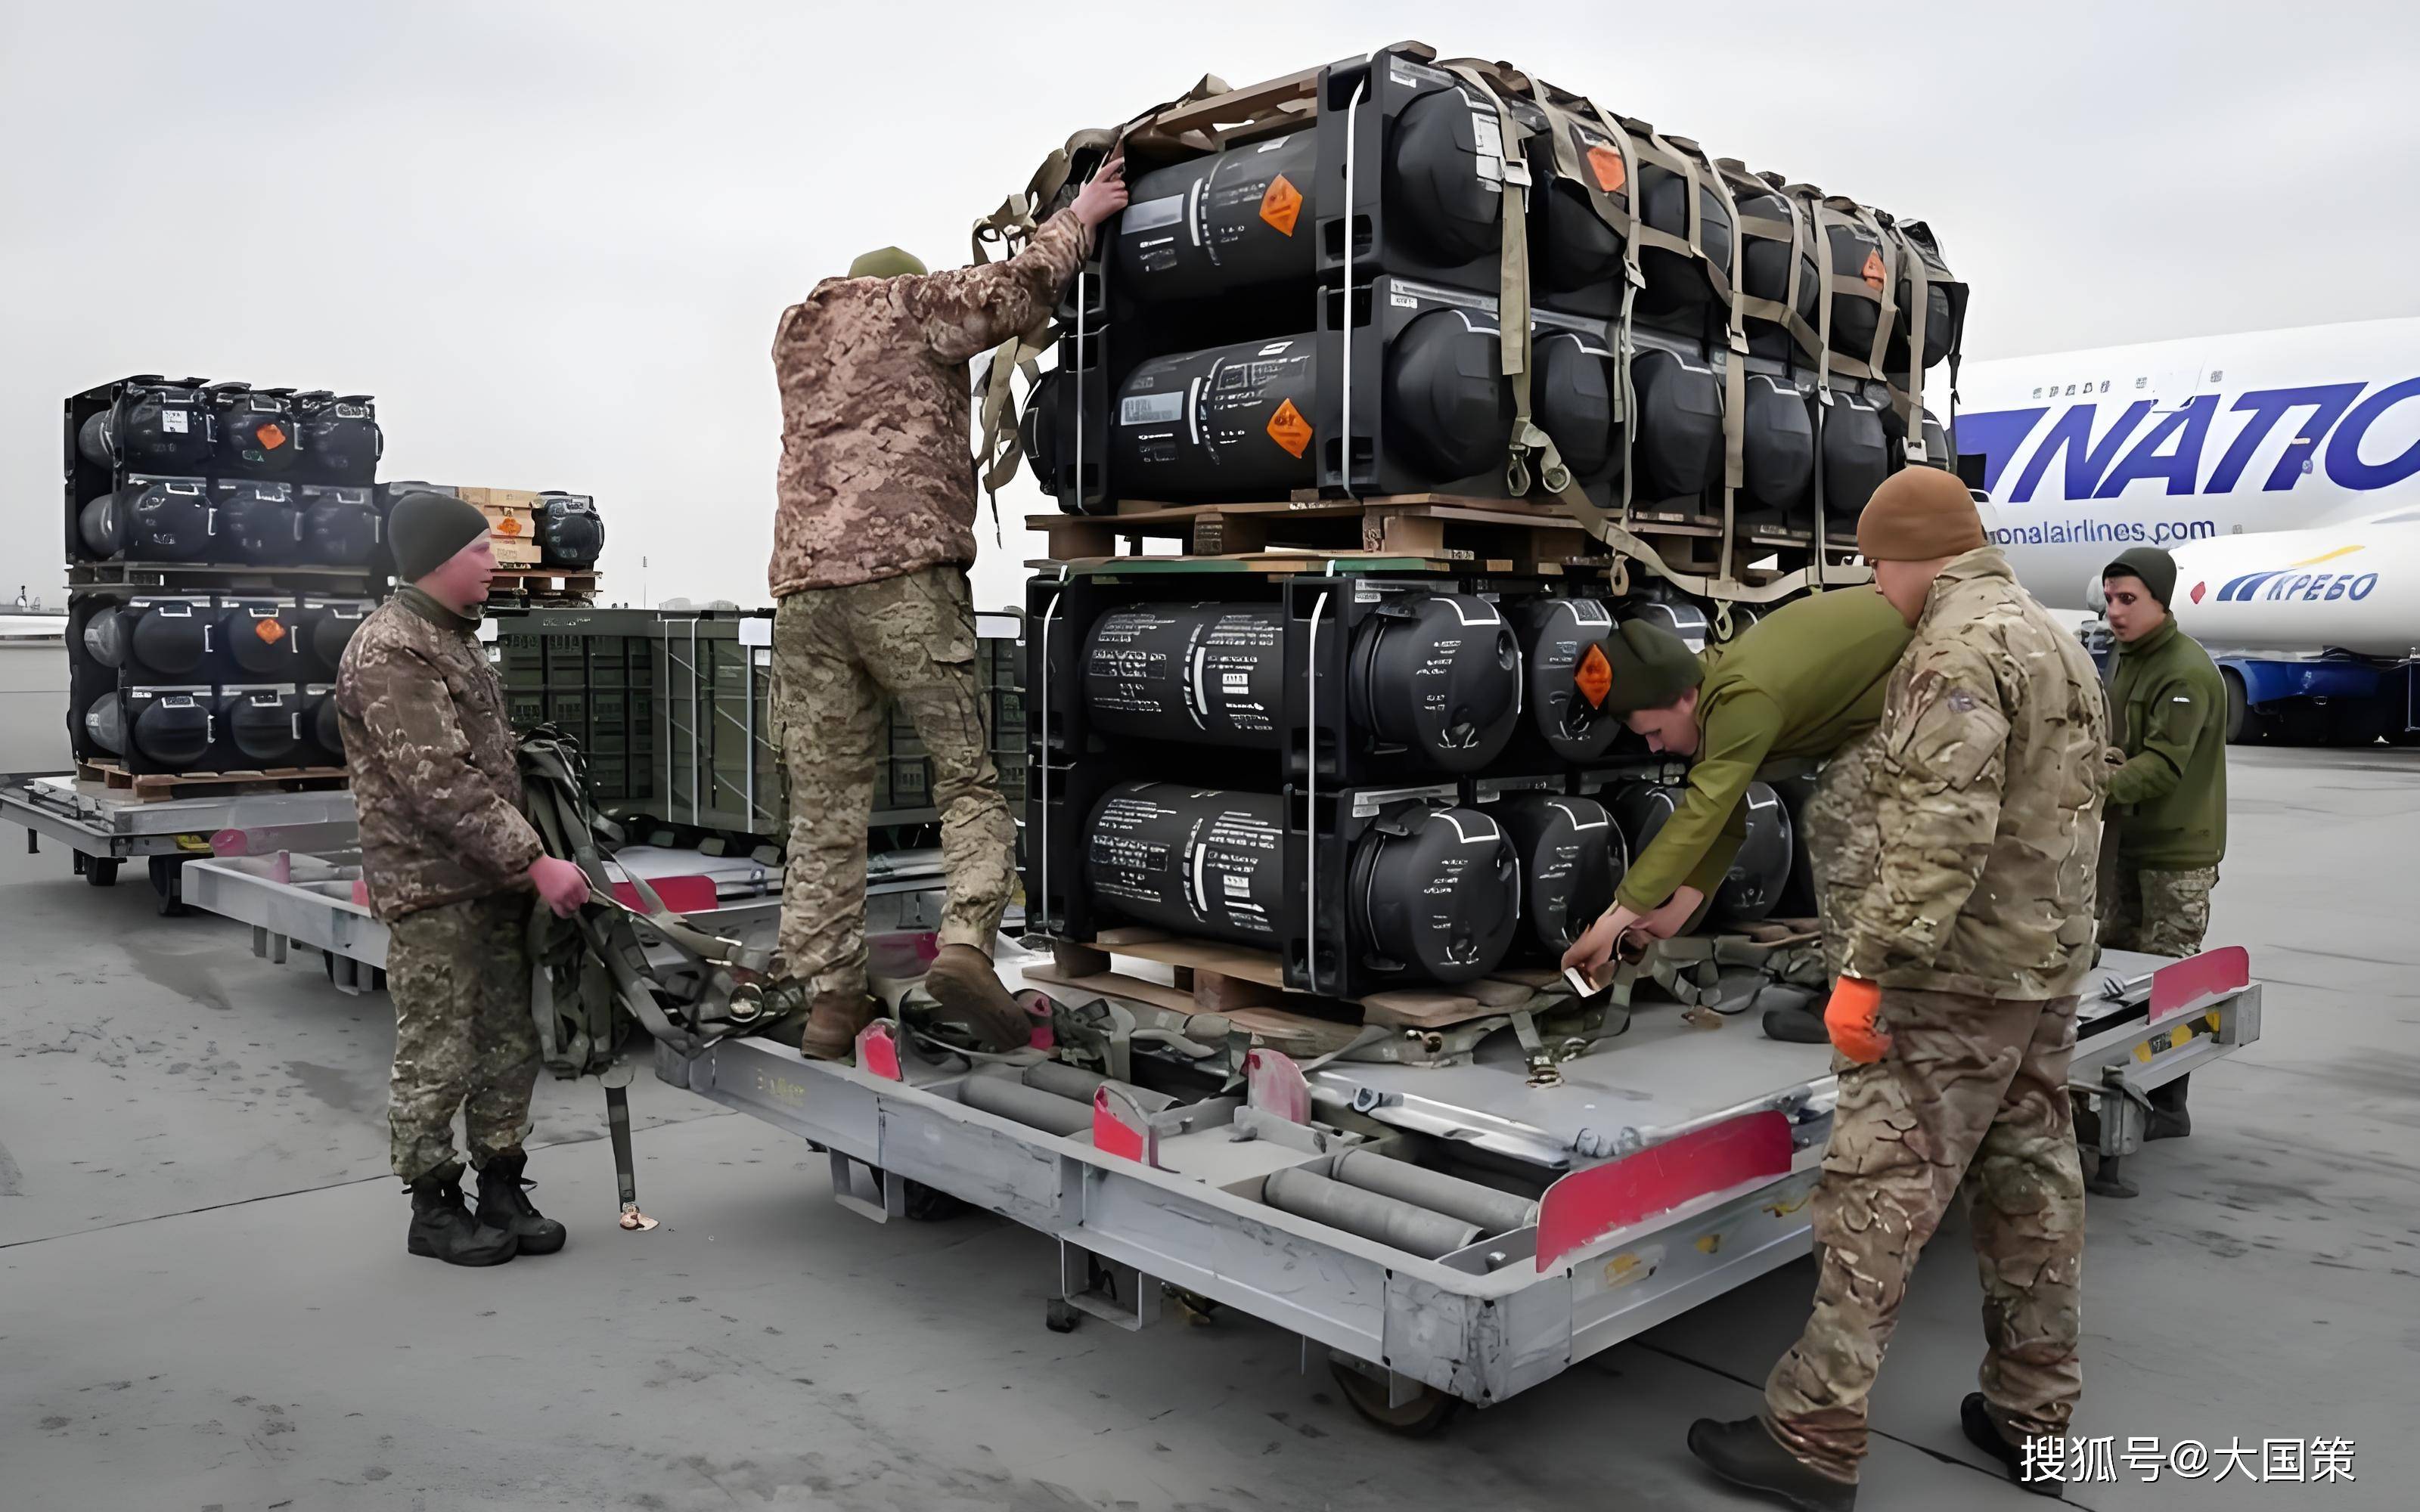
x,y
2167,803
450,865
1954,1015
870,545
1805,684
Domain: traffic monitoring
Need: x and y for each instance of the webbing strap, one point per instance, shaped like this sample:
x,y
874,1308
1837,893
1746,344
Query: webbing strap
x,y
1512,303
1920,283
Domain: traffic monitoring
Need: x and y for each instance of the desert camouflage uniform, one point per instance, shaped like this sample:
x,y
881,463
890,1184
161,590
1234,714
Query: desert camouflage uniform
x,y
1977,922
870,547
838,653
445,853
1841,848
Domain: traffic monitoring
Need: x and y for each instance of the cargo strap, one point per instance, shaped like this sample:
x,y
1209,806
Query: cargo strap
x,y
1000,449
586,967
1703,174
1512,300
1793,231
1579,145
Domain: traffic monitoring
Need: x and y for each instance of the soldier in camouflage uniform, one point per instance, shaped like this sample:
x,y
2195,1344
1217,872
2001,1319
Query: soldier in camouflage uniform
x,y
1955,1012
870,545
2167,797
450,865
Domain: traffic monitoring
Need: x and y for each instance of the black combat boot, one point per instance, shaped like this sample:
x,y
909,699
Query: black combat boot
x,y
1746,1453
443,1228
1796,1026
503,1203
1984,1434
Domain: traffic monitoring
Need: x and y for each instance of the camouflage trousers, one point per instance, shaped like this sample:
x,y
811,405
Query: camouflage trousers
x,y
2159,913
459,975
1841,849
1972,1093
838,653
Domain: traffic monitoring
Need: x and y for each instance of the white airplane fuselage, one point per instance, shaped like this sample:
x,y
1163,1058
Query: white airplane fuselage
x,y
2309,437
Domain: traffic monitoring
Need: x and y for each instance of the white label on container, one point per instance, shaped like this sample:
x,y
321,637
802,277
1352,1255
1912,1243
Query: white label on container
x,y
1237,882
1153,213
173,420
1150,408
1274,347
1490,133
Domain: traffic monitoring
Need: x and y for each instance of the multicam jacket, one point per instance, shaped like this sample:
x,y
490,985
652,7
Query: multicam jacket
x,y
1988,788
436,779
877,473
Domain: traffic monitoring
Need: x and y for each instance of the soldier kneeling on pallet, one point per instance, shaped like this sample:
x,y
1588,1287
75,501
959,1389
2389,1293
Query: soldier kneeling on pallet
x,y
450,864
1803,684
870,545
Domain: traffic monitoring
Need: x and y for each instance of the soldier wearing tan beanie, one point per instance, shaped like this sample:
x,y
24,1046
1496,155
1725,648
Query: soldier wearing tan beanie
x,y
1954,1009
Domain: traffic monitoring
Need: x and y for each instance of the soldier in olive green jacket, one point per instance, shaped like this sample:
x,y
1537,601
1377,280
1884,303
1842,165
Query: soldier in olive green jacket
x,y
2167,803
1805,684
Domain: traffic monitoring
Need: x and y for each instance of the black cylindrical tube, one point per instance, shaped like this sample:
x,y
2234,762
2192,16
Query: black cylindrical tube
x,y
1230,220
1188,671
1189,860
1223,422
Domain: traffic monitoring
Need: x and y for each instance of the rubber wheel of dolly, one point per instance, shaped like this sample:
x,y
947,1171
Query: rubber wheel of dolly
x,y
101,870
1060,1315
927,1206
1424,1415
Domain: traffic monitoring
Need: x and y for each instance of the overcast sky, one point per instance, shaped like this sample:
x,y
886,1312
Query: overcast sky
x,y
553,239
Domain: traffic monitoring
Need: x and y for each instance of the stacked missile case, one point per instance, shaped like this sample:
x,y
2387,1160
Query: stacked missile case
x,y
223,543
1395,771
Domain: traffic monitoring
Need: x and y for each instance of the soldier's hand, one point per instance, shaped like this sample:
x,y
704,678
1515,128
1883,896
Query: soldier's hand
x,y
1595,946
1851,1017
561,883
1105,195
1674,916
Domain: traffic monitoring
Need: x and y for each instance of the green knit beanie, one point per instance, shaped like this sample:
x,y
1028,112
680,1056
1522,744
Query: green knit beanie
x,y
424,529
2157,569
1651,668
886,262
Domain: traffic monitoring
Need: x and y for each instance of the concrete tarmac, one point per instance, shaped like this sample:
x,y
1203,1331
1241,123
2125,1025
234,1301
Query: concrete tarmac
x,y
206,1305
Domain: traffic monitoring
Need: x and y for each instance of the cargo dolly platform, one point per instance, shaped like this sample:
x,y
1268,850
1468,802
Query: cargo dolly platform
x,y
1656,1172
104,830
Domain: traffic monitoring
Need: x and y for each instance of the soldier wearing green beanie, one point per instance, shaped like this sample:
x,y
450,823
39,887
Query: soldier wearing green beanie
x,y
2168,801
1803,684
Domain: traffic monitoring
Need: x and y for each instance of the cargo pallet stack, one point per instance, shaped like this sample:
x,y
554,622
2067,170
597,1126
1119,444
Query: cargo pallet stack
x,y
1314,671
223,543
547,542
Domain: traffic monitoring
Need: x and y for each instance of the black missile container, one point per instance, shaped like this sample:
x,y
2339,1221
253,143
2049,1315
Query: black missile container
x,y
1759,871
1571,855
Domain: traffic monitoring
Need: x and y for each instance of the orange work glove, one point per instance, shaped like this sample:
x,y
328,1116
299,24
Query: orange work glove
x,y
1849,1018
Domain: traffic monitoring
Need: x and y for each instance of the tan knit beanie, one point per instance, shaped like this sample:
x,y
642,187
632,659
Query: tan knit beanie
x,y
1919,514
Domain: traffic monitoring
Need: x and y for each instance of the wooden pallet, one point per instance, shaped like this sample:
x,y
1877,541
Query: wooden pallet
x,y
1247,987
544,581
153,787
1440,531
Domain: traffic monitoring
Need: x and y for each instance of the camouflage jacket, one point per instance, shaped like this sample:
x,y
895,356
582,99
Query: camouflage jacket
x,y
436,775
1987,788
878,475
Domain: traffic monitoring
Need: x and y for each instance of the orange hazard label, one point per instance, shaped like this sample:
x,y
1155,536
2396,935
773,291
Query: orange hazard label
x,y
1606,162
1281,204
1289,429
508,526
269,630
1873,271
272,436
1593,677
